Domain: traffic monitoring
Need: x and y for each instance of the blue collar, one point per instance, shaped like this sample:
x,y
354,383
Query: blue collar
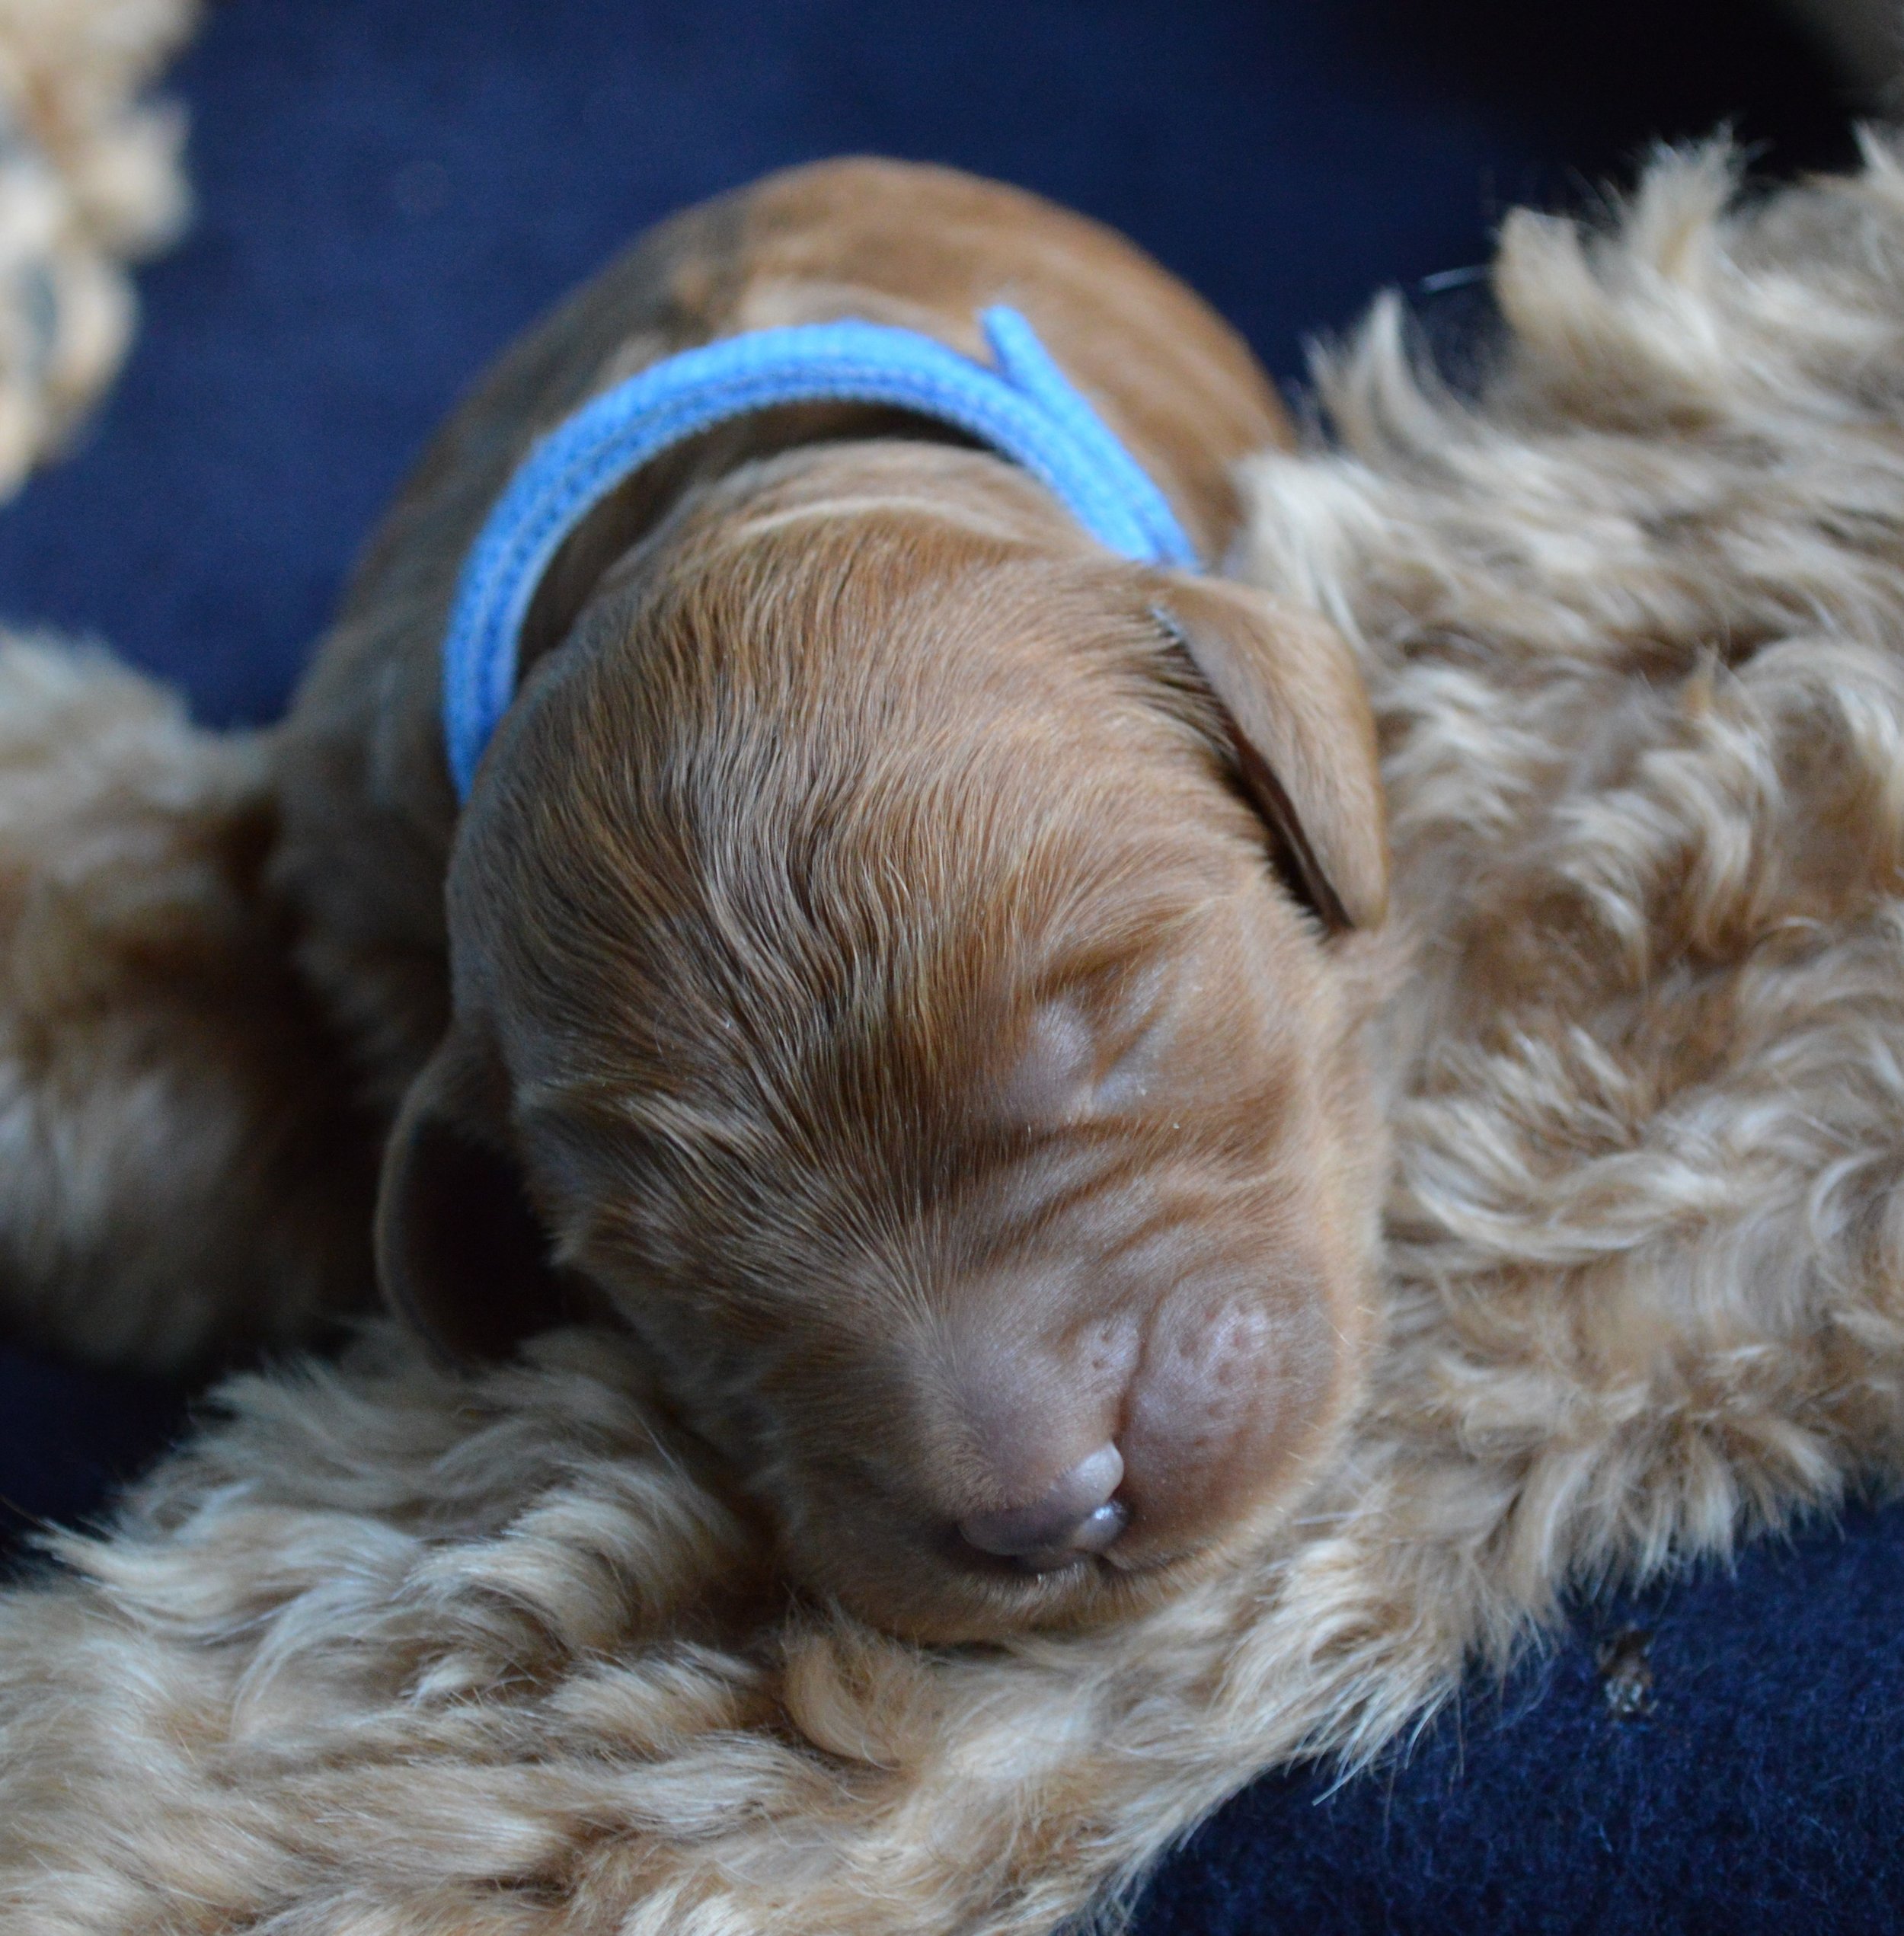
x,y
1025,409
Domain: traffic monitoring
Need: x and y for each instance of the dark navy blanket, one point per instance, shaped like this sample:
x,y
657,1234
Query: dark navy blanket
x,y
390,188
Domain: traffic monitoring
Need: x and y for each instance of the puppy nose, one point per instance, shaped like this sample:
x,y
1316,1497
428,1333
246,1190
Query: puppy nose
x,y
1077,1515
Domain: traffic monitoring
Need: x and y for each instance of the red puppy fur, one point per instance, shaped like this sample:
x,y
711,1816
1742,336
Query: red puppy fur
x,y
906,964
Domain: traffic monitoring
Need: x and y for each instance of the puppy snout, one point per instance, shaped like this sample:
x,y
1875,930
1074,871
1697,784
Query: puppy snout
x,y
1173,1422
1223,1398
1077,1515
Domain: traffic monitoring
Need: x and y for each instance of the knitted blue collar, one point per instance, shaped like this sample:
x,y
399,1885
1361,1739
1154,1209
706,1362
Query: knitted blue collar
x,y
1025,409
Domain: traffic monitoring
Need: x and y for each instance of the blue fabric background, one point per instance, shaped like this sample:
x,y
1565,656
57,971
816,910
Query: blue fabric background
x,y
389,189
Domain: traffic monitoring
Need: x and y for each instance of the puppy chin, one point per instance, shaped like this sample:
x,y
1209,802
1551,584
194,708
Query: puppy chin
x,y
941,1593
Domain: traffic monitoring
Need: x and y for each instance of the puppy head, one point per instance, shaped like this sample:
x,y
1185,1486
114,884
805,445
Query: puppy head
x,y
904,971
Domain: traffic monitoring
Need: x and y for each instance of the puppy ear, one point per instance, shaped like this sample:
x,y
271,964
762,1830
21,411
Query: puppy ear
x,y
1301,734
460,1252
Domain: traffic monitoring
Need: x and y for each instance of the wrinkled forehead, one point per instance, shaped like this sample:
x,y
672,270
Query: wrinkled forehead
x,y
905,913
880,676
869,590
892,1064
842,780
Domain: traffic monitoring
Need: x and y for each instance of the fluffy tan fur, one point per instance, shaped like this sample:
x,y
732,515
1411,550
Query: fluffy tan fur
x,y
89,180
383,1650
182,1169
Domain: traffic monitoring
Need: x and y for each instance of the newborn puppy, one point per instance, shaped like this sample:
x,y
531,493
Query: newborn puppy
x,y
904,962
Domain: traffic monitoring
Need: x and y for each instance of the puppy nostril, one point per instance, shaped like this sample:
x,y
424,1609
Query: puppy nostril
x,y
1097,1534
1101,1528
1077,1515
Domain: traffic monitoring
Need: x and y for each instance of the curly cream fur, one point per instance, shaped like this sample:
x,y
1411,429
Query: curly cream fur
x,y
386,1651
89,180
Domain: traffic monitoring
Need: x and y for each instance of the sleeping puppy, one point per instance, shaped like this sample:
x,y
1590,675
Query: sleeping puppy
x,y
905,962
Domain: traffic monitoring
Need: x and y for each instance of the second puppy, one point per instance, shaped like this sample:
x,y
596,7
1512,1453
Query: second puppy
x,y
903,960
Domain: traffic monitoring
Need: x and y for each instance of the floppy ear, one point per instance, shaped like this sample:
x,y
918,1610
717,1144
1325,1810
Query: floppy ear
x,y
460,1254
1302,735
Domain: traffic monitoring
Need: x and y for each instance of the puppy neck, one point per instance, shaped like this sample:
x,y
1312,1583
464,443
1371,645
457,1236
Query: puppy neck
x,y
801,462
616,534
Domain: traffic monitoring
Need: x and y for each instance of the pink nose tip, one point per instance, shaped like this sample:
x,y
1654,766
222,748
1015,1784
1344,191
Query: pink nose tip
x,y
1077,1515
